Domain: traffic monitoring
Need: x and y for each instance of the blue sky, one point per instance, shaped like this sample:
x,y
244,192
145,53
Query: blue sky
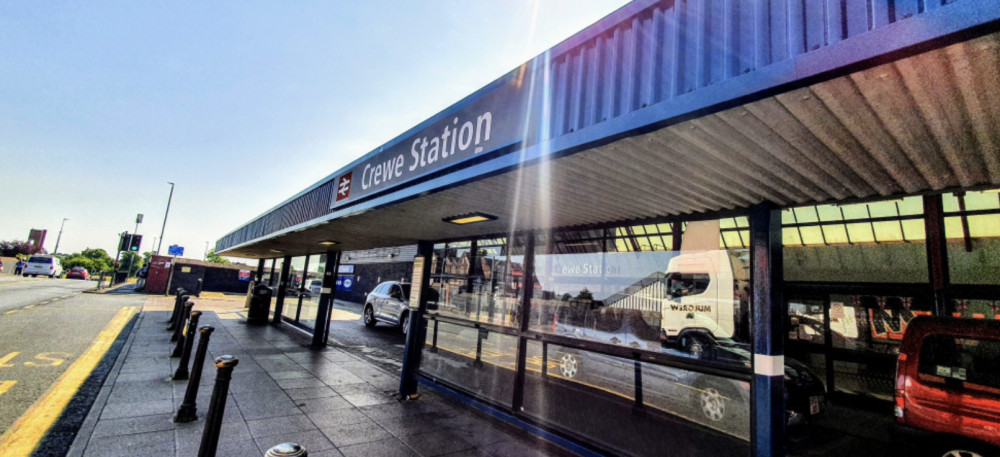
x,y
240,103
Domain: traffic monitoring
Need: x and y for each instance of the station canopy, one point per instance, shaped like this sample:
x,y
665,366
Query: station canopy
x,y
907,108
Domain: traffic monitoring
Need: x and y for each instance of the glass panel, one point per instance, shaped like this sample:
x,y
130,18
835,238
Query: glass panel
x,y
691,302
450,353
829,213
292,290
805,215
976,309
976,260
861,233
594,395
807,324
863,250
872,325
718,403
313,285
491,293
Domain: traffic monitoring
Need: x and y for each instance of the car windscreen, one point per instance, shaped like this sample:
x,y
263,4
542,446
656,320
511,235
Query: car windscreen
x,y
46,260
406,290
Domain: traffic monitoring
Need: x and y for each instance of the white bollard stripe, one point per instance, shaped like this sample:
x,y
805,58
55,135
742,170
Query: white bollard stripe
x,y
769,365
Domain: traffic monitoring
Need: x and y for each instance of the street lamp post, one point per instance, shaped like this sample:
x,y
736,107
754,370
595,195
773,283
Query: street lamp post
x,y
169,199
138,220
58,238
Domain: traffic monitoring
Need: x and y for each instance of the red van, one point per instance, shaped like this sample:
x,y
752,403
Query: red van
x,y
948,386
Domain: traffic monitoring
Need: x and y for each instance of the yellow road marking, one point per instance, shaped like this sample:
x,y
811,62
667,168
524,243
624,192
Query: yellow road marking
x,y
8,358
6,385
12,311
44,303
341,315
54,299
29,306
22,437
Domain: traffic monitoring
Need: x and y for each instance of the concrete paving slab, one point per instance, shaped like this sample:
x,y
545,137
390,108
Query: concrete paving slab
x,y
330,401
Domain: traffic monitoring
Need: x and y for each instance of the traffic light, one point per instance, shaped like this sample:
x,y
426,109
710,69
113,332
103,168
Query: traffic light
x,y
136,241
129,242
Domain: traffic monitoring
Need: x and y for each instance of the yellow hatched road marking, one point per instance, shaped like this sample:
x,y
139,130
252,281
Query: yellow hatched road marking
x,y
6,385
22,437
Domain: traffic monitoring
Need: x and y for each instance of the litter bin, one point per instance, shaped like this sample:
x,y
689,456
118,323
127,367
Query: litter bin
x,y
260,304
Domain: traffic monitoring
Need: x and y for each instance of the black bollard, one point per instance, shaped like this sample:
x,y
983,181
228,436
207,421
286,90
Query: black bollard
x,y
188,340
177,319
180,329
197,291
178,303
188,411
217,407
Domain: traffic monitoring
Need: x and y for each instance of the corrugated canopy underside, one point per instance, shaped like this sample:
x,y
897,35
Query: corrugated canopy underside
x,y
924,123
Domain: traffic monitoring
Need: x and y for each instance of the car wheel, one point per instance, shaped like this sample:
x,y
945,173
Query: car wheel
x,y
569,366
405,326
369,317
695,345
964,449
713,399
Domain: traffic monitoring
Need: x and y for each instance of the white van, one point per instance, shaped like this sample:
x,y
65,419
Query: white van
x,y
43,265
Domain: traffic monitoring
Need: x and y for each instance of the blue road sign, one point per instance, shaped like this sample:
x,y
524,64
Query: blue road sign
x,y
175,250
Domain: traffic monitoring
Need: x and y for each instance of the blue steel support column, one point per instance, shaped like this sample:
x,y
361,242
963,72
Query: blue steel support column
x,y
524,318
937,252
767,403
321,331
416,334
279,302
260,272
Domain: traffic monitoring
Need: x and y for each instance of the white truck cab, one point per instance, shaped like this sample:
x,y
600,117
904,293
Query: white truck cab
x,y
701,302
700,297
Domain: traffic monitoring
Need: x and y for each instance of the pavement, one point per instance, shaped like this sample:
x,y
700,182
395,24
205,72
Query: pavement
x,y
329,401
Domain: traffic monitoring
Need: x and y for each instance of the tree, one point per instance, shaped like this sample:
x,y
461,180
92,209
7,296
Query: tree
x,y
148,256
19,249
94,260
136,262
211,256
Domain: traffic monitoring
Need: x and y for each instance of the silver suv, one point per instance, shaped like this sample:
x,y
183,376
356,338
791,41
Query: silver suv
x,y
389,303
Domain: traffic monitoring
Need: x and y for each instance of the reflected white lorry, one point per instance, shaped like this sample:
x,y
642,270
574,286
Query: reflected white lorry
x,y
702,304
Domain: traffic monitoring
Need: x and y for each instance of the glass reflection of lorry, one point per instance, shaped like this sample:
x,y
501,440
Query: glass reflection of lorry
x,y
701,303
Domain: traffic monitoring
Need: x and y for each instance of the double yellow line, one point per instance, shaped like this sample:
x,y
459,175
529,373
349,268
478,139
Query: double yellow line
x,y
22,437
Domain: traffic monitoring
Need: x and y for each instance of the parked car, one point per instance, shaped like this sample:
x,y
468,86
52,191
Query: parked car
x,y
704,398
44,265
78,273
948,386
389,302
316,286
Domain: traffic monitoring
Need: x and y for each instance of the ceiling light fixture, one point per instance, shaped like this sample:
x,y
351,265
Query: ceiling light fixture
x,y
277,250
328,243
470,218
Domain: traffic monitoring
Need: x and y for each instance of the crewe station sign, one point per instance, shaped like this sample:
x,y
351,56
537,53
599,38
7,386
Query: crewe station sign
x,y
489,123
